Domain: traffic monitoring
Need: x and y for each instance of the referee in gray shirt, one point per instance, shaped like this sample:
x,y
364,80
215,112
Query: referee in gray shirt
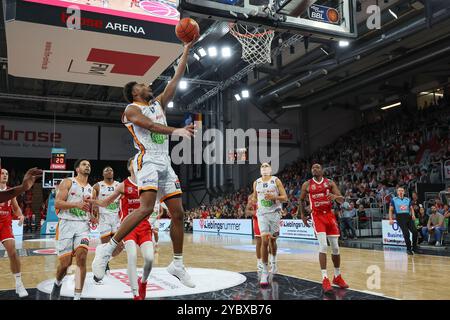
x,y
348,213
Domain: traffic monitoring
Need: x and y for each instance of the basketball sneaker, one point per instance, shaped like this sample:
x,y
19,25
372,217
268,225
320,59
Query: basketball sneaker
x,y
259,267
339,281
264,279
142,288
101,259
273,268
326,285
56,292
21,291
181,274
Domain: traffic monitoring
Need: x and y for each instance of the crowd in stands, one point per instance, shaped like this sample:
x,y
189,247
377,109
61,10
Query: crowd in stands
x,y
367,163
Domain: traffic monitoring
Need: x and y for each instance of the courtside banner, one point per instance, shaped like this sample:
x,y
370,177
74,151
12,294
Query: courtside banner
x,y
230,226
392,234
296,229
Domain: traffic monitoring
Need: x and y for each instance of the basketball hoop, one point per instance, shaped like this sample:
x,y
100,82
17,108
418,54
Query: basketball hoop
x,y
256,42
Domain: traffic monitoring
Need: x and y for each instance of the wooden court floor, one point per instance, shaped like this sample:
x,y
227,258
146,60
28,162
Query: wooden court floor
x,y
400,276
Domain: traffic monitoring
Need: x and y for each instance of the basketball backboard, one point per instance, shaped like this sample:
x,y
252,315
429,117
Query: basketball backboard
x,y
333,19
52,178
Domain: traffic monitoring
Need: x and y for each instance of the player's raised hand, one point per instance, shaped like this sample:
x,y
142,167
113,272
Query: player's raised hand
x,y
189,45
30,178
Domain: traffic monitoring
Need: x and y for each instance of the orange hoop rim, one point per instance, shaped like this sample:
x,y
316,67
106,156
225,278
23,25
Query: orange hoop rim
x,y
247,35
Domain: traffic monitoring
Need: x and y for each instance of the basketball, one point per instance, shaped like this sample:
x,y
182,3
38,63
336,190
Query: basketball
x,y
187,29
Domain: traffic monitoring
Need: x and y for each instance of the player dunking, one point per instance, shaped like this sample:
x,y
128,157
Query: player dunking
x,y
72,232
141,235
322,192
109,216
145,119
269,193
7,209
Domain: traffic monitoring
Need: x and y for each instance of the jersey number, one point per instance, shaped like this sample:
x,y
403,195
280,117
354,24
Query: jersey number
x,y
110,188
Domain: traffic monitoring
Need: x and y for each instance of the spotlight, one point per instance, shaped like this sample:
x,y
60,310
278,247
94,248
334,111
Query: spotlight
x,y
212,52
238,97
245,94
202,52
170,105
183,85
391,106
343,43
226,52
393,14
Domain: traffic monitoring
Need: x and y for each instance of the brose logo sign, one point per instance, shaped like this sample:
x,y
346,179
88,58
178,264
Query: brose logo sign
x,y
28,136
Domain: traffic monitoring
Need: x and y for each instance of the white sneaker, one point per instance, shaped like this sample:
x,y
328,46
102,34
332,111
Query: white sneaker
x,y
438,244
100,261
273,268
259,267
264,279
181,274
21,291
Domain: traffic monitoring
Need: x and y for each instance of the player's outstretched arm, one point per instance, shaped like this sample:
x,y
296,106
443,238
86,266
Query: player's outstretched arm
x,y
28,180
120,190
61,202
169,92
135,115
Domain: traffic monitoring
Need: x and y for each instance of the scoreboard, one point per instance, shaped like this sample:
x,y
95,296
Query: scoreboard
x,y
58,159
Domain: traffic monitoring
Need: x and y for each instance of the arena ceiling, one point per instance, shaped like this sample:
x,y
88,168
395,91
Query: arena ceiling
x,y
408,54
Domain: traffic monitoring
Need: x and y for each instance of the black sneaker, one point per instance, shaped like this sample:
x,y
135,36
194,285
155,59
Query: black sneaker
x,y
56,292
409,252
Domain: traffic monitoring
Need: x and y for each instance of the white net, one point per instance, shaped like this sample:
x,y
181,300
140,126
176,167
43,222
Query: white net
x,y
256,42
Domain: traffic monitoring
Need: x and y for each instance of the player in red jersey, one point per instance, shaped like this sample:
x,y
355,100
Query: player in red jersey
x,y
7,209
322,192
141,235
251,211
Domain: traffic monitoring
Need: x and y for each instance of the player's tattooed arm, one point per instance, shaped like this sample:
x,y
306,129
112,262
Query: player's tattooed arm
x,y
336,193
302,203
62,193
